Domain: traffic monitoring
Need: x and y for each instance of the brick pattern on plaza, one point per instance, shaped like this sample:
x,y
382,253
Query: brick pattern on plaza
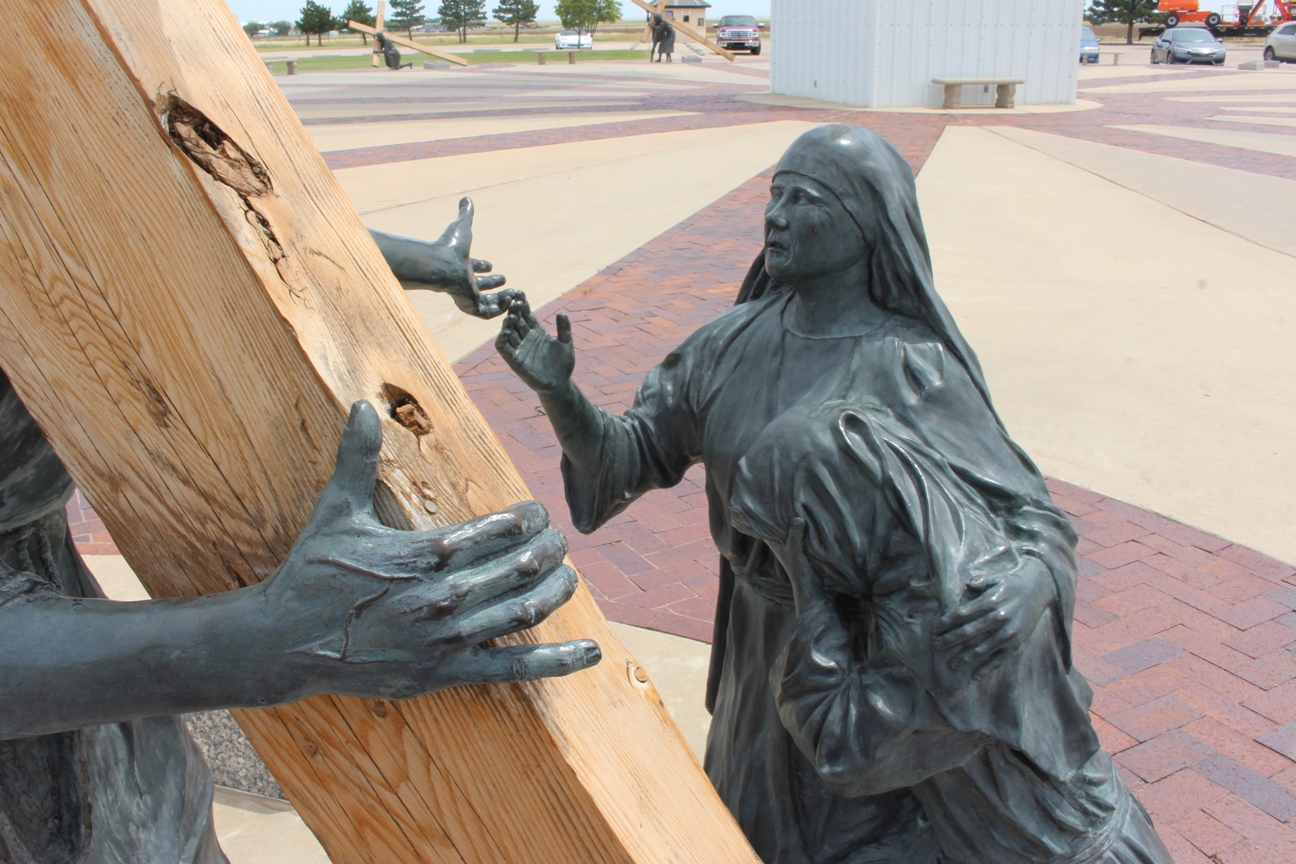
x,y
1188,640
88,531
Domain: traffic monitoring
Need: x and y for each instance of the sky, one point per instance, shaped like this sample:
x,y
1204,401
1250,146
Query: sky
x,y
290,10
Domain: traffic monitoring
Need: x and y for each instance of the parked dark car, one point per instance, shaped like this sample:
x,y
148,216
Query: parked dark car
x,y
739,33
1188,45
1281,44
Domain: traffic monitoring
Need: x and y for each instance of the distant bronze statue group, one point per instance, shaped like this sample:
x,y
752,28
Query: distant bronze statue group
x,y
663,40
391,54
891,675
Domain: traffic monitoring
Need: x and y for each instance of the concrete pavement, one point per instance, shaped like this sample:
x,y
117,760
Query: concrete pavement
x,y
1135,344
533,205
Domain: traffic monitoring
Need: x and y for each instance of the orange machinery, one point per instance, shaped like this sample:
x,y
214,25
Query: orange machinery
x,y
1241,16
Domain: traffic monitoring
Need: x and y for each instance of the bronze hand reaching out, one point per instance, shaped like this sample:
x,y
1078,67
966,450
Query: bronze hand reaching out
x,y
445,265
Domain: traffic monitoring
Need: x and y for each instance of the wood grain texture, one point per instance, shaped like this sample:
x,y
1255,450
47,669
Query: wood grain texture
x,y
188,305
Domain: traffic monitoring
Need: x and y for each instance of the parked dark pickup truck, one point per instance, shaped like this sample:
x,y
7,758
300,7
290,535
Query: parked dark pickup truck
x,y
739,33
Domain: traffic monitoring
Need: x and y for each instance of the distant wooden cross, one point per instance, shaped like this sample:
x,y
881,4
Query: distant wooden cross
x,y
396,40
685,29
648,28
378,24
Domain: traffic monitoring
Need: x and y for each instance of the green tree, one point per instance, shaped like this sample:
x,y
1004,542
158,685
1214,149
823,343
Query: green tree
x,y
280,28
459,15
609,12
357,11
405,15
586,15
252,28
315,18
1127,12
516,13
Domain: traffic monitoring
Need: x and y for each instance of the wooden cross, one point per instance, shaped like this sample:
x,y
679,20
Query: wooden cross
x,y
187,307
687,29
376,58
648,28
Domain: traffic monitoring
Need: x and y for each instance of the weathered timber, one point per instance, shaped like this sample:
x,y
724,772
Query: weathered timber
x,y
188,304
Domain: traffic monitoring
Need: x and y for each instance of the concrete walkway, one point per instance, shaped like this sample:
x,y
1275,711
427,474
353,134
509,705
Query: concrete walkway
x,y
1159,368
1128,285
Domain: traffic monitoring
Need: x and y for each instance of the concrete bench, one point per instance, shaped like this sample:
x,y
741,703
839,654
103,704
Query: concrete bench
x,y
1005,90
1115,55
571,55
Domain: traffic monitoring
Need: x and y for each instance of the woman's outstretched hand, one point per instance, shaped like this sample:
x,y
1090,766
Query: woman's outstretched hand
x,y
1002,615
378,612
544,364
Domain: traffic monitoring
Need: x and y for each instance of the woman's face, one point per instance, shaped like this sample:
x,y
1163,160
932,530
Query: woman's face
x,y
808,232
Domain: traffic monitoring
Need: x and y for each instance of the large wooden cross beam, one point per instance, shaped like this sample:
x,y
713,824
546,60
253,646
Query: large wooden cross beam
x,y
188,304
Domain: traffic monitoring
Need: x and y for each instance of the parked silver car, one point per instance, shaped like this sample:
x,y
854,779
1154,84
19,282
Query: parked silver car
x,y
1188,45
1281,44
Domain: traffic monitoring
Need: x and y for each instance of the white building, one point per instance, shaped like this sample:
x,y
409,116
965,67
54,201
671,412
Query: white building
x,y
884,53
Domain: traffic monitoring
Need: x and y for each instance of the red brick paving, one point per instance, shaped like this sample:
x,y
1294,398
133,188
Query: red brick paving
x,y
88,531
1189,641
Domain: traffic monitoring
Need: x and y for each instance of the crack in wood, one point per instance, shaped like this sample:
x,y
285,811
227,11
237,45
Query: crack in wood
x,y
220,156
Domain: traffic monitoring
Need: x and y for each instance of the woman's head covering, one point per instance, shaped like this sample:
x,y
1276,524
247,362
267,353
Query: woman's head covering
x,y
876,186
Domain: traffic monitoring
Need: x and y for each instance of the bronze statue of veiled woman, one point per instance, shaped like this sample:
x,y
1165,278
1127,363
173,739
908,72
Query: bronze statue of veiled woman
x,y
892,677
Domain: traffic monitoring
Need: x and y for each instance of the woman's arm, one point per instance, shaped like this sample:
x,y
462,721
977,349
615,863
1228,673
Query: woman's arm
x,y
867,726
545,364
1001,611
608,460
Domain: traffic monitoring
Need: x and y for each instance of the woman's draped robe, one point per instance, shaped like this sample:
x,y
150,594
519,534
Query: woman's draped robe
x,y
663,37
813,759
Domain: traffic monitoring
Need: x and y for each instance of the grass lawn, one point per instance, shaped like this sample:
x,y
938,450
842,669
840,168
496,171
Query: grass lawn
x,y
553,57
361,61
491,39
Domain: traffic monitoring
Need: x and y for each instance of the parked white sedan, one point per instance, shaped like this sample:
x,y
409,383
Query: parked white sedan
x,y
569,40
1281,44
